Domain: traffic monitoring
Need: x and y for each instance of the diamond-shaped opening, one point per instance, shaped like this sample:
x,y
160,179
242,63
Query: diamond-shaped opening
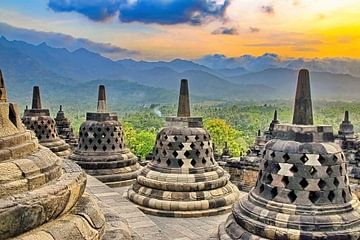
x,y
168,162
116,140
90,129
205,137
314,196
202,144
342,156
276,168
274,192
322,184
340,169
86,147
158,160
312,171
86,134
108,141
113,147
99,129
197,153
91,140
99,141
112,134
161,144
192,145
170,145
94,147
335,158
175,138
294,169
331,196
336,182
180,162
329,171
304,158
321,159
193,162
286,157
175,154
264,153
187,154
285,181
197,137
203,160
268,179
266,164
120,145
164,152
261,189
181,146
292,196
343,195
303,183
273,154
186,138
207,152
95,135
107,129
104,148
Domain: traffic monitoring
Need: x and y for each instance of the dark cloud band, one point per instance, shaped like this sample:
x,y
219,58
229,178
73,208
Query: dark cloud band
x,y
193,12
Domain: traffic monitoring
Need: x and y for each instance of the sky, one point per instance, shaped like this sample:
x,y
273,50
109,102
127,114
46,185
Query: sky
x,y
190,29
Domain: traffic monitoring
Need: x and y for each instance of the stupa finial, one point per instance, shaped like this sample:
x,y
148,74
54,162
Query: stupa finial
x,y
3,95
101,107
36,101
303,114
346,117
184,103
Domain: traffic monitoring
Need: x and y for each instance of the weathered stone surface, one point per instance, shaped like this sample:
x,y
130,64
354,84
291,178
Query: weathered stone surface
x,y
102,151
302,191
303,114
39,190
183,179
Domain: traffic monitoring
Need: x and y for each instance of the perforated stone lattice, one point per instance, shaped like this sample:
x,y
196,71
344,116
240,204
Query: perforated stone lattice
x,y
44,127
101,137
303,178
183,151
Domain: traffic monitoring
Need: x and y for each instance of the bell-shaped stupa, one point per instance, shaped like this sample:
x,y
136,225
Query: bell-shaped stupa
x,y
101,150
183,179
41,195
64,129
44,126
302,190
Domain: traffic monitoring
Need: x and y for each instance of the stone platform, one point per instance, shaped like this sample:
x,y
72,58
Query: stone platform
x,y
146,226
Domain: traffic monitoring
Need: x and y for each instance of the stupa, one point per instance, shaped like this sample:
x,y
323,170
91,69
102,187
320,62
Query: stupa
x,y
101,151
44,126
64,129
244,170
302,191
269,133
41,195
183,179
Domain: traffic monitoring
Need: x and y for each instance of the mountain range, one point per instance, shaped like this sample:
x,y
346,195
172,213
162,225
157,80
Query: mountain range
x,y
65,75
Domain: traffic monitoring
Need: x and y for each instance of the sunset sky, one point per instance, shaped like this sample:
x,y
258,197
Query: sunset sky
x,y
167,29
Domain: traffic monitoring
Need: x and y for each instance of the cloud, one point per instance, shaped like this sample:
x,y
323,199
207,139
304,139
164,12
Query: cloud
x,y
194,12
225,31
60,40
268,9
254,29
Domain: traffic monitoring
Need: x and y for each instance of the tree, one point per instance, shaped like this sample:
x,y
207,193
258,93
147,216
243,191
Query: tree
x,y
141,142
222,132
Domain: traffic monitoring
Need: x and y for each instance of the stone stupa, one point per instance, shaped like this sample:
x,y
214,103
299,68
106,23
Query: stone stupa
x,y
64,129
183,179
302,191
101,150
41,195
44,126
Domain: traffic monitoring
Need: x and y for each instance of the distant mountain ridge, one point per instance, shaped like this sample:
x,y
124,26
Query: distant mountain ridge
x,y
63,73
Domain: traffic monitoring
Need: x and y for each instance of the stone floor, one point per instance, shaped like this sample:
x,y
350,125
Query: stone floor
x,y
153,227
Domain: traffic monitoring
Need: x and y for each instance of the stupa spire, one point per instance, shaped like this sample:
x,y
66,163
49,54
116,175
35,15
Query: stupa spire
x,y
346,117
101,107
184,103
36,100
303,114
275,115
